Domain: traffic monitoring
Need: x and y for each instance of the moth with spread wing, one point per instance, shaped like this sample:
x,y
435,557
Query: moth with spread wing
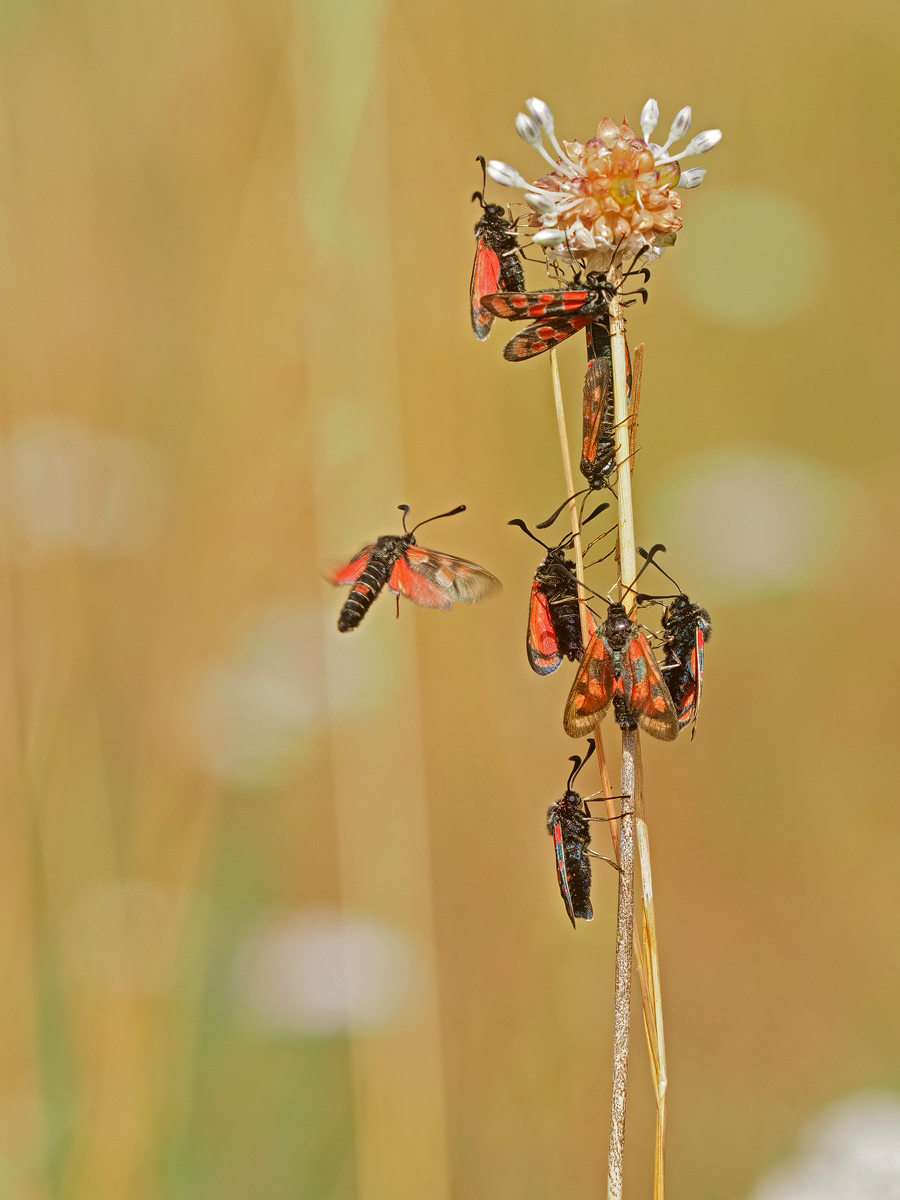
x,y
554,622
686,630
568,823
427,577
496,266
619,668
560,312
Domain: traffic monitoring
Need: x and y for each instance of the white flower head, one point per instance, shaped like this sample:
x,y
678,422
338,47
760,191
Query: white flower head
x,y
611,197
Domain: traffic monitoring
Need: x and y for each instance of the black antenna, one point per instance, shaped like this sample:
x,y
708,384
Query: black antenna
x,y
521,524
579,763
596,513
569,540
649,555
546,524
452,513
479,196
404,508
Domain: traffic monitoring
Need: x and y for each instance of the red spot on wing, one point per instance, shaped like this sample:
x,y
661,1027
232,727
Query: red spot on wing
x,y
353,569
562,874
592,689
541,336
485,274
416,587
645,690
543,648
596,402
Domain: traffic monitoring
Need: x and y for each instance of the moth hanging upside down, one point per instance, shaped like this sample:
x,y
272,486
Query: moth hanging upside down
x,y
427,577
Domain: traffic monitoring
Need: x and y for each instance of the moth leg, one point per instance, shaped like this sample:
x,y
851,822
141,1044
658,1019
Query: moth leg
x,y
599,796
671,666
614,865
397,598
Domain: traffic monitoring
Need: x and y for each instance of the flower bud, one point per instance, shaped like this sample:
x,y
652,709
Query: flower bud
x,y
541,114
549,237
503,173
692,178
527,130
681,124
649,118
702,142
540,203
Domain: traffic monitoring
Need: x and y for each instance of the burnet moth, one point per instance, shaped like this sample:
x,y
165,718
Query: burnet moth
x,y
427,577
560,312
686,630
598,443
619,668
554,622
568,823
496,266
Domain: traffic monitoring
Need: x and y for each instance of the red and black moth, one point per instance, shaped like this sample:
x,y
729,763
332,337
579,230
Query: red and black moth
x,y
427,577
568,823
598,443
618,668
496,266
560,312
686,630
554,622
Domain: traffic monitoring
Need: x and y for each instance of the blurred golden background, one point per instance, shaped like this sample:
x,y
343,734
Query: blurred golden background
x,y
278,908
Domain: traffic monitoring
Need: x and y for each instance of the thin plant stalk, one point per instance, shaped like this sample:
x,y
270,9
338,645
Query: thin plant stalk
x,y
579,572
646,946
650,980
625,909
624,934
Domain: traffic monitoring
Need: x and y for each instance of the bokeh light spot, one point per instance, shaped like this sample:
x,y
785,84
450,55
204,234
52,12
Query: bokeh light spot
x,y
64,485
852,1152
746,524
253,714
320,972
752,258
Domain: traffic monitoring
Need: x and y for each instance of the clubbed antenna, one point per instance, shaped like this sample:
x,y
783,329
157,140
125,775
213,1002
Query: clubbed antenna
x,y
479,196
452,513
521,524
579,763
649,555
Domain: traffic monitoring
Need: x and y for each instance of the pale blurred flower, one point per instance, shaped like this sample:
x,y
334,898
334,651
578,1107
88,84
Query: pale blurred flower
x,y
851,1152
320,972
611,197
